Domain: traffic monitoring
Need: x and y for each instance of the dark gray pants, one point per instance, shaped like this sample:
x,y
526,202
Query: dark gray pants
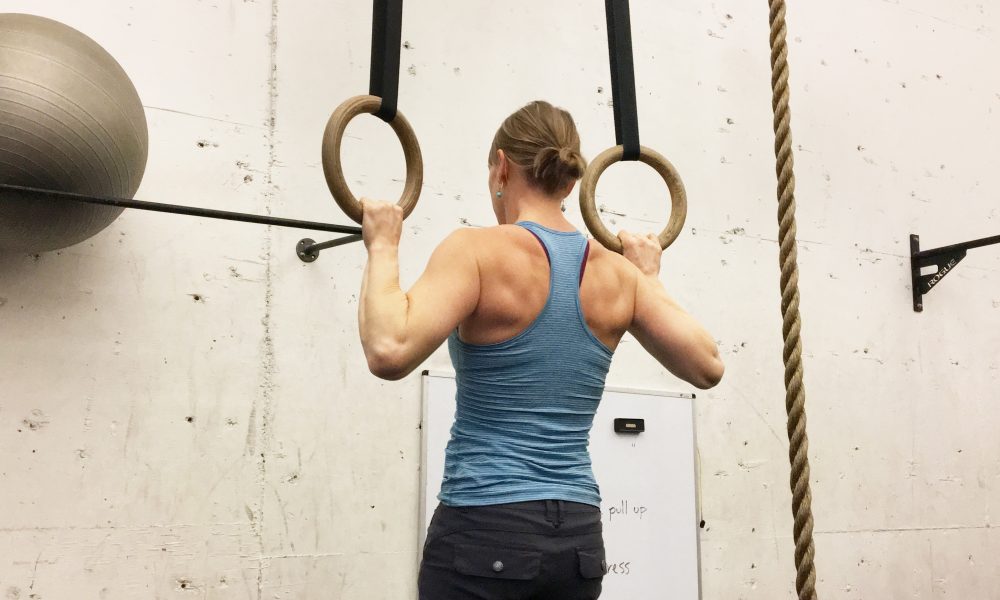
x,y
540,550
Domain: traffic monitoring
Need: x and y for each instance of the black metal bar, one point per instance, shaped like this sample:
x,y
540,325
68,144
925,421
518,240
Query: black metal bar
x,y
387,35
308,249
184,210
987,241
622,77
347,239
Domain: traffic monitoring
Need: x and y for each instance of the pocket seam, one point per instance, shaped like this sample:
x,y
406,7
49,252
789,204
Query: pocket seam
x,y
528,569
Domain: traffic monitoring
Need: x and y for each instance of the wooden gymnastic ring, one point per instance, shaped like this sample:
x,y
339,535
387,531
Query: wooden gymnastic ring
x,y
333,169
588,189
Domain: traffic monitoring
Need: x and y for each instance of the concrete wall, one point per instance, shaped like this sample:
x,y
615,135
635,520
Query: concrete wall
x,y
184,406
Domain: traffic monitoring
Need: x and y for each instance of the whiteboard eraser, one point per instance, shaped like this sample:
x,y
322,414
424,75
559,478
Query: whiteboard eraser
x,y
630,425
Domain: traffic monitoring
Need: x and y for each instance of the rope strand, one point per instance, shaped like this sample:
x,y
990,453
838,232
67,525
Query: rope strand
x,y
795,395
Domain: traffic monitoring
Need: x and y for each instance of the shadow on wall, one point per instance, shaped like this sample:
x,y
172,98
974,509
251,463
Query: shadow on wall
x,y
63,279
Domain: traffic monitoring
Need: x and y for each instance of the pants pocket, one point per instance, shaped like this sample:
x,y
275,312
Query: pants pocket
x,y
592,563
497,562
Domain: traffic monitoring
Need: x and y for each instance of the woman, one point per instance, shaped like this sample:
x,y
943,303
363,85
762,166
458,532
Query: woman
x,y
532,313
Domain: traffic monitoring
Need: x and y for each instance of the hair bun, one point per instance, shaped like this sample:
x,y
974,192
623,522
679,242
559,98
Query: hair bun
x,y
561,165
575,165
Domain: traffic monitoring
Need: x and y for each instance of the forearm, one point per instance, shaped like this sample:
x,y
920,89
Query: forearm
x,y
382,311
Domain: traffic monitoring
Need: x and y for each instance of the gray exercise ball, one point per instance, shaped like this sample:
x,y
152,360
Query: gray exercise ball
x,y
70,120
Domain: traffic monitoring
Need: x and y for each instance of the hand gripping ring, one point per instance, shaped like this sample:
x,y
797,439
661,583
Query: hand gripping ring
x,y
334,172
588,188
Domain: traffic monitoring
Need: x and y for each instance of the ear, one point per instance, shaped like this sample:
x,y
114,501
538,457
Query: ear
x,y
502,166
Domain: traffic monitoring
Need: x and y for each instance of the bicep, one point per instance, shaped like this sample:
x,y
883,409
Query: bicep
x,y
657,321
668,332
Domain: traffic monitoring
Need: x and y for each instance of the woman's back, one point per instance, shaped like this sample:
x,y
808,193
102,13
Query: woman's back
x,y
514,287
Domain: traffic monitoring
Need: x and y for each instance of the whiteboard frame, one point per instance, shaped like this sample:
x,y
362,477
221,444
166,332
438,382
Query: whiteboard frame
x,y
422,505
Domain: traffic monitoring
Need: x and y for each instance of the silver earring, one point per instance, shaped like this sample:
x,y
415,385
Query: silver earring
x,y
500,192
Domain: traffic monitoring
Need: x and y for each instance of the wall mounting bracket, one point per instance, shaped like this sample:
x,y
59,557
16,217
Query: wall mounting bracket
x,y
307,250
944,259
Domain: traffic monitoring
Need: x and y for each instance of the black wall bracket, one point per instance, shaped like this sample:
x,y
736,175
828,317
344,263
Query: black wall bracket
x,y
944,259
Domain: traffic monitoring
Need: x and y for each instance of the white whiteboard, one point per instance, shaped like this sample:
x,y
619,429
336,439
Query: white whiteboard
x,y
647,480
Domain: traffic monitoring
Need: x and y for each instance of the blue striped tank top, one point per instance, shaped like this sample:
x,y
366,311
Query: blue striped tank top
x,y
525,406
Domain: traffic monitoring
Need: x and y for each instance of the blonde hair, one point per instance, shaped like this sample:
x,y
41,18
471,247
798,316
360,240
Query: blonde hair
x,y
542,139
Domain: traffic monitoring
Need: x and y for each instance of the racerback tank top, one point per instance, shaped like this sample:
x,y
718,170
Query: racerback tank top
x,y
525,406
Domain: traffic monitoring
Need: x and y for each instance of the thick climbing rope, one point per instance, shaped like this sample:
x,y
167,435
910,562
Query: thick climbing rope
x,y
795,394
